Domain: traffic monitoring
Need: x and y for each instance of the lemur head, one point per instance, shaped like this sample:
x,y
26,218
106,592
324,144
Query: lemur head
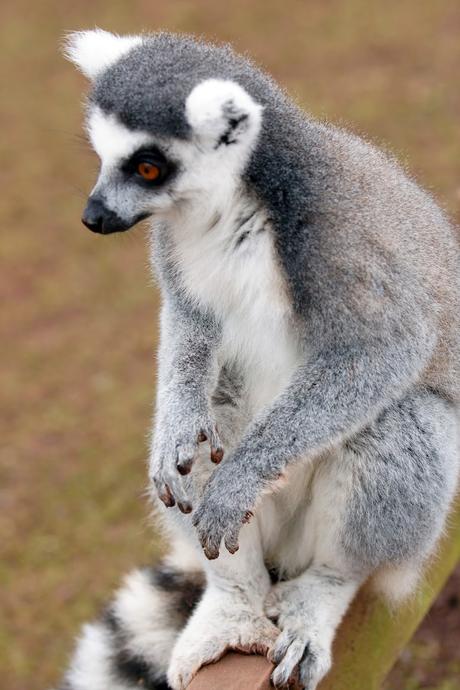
x,y
169,119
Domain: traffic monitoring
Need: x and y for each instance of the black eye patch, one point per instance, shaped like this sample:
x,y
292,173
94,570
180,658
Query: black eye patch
x,y
148,167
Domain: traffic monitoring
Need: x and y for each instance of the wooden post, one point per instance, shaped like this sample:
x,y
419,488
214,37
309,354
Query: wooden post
x,y
235,672
368,641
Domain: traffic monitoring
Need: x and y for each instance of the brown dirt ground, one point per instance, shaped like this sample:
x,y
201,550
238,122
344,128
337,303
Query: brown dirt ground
x,y
78,320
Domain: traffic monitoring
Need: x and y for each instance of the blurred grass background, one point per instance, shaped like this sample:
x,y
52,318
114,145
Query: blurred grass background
x,y
78,318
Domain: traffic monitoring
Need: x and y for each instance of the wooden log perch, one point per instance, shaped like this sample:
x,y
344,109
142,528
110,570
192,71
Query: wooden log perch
x,y
368,641
235,672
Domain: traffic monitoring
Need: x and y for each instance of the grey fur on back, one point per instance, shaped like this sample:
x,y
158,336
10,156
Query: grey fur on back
x,y
350,224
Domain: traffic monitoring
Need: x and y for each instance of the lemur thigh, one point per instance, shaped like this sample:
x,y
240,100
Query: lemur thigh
x,y
131,644
380,502
402,477
230,614
308,610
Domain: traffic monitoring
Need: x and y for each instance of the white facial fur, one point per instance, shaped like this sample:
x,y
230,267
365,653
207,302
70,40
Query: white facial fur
x,y
94,51
225,123
112,141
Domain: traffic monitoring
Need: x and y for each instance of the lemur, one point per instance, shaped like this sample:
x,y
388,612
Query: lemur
x,y
308,384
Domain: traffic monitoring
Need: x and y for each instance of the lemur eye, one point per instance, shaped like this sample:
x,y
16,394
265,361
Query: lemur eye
x,y
148,167
148,171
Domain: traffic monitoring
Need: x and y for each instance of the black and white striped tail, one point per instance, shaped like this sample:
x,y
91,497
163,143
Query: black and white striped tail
x,y
130,646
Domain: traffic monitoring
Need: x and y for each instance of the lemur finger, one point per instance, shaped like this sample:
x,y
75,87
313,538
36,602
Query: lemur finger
x,y
231,541
247,517
197,517
209,543
217,453
166,496
185,457
185,507
174,481
210,547
217,450
163,491
211,554
170,491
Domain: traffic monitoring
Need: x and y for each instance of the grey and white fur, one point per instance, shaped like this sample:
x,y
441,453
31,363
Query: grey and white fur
x,y
309,331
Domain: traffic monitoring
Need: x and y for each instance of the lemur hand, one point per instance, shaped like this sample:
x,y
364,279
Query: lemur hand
x,y
226,505
174,451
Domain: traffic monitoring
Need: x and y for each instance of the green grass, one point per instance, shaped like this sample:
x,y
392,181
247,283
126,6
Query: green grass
x,y
78,311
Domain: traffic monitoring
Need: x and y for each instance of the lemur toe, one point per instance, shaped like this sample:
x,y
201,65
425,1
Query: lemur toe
x,y
298,659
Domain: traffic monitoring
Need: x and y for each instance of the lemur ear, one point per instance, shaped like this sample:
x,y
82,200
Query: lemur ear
x,y
221,113
93,51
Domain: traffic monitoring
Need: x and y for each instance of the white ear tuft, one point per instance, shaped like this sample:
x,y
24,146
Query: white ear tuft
x,y
221,112
93,51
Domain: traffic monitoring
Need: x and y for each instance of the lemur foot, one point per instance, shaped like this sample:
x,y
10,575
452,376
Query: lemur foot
x,y
302,652
208,636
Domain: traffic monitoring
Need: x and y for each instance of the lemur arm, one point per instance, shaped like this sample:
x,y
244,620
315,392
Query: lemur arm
x,y
186,373
350,377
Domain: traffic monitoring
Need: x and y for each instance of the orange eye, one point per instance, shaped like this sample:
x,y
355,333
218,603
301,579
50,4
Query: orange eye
x,y
148,171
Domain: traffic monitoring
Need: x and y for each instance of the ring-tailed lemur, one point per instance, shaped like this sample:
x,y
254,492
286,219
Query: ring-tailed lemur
x,y
309,329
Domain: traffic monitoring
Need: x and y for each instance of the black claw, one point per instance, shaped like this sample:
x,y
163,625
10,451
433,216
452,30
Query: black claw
x,y
169,503
211,554
167,498
184,507
216,455
184,468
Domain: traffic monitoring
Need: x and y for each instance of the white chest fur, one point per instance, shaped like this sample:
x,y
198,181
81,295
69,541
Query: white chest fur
x,y
228,265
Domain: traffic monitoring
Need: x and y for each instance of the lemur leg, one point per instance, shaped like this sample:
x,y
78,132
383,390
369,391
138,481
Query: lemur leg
x,y
131,644
379,503
308,610
230,614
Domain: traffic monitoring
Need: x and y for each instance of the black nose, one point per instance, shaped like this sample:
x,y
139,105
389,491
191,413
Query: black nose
x,y
98,218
